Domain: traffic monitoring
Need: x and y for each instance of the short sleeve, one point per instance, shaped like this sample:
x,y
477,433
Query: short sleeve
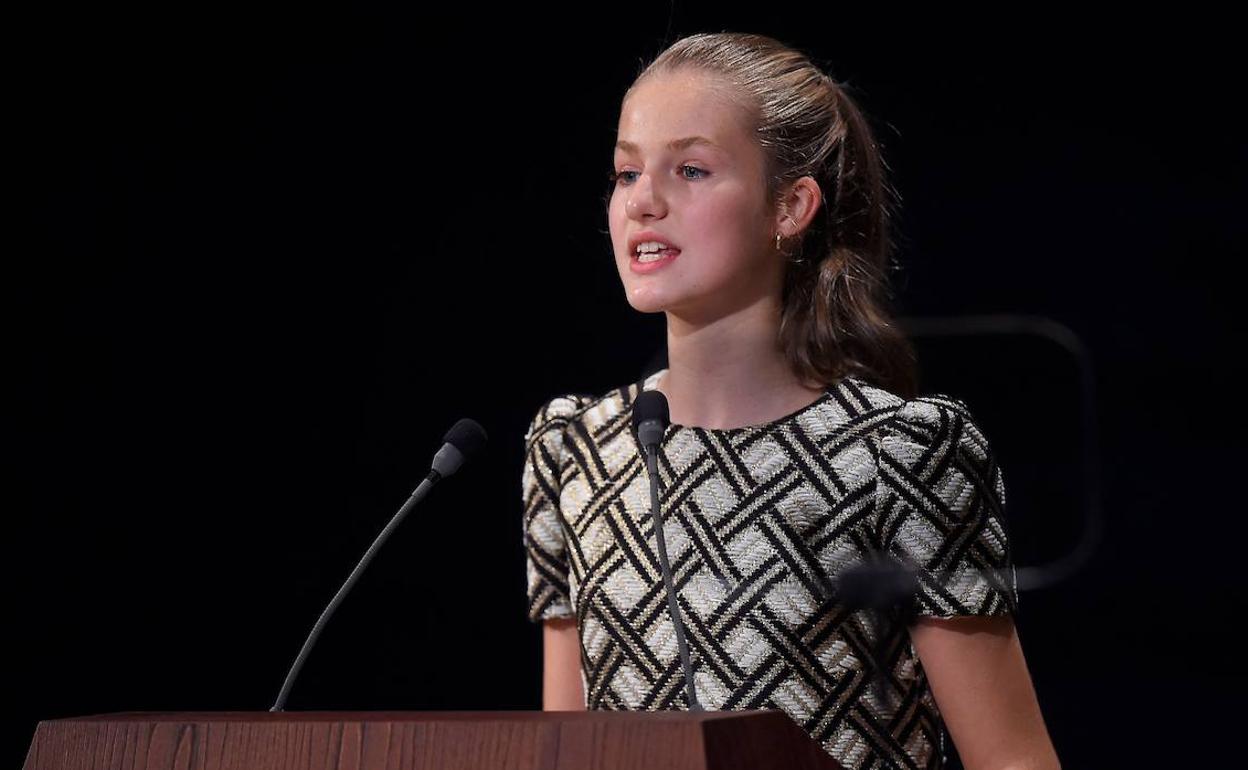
x,y
940,508
546,556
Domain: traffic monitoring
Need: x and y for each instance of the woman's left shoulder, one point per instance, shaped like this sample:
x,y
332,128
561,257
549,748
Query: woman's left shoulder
x,y
923,418
930,419
941,504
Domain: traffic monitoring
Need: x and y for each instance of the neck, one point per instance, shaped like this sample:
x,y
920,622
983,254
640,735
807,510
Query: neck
x,y
730,372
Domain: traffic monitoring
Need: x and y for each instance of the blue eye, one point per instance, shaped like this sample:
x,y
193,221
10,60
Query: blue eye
x,y
622,177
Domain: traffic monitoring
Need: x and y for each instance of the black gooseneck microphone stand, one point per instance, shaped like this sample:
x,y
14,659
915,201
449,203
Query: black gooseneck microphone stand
x,y
650,420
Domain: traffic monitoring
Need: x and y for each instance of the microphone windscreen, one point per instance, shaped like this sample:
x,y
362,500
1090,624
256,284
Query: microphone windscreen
x,y
650,405
880,582
467,436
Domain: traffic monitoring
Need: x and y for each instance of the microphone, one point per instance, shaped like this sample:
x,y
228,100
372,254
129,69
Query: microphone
x,y
650,421
461,443
884,587
885,581
877,583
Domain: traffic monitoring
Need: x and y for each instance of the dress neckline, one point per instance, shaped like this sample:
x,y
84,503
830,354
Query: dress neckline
x,y
651,382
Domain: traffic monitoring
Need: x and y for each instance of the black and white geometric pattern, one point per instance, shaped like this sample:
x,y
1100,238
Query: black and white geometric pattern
x,y
758,521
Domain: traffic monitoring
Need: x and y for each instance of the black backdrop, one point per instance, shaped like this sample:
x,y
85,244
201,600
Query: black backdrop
x,y
261,264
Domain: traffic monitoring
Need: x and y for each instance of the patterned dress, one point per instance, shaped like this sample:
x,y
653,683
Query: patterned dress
x,y
758,522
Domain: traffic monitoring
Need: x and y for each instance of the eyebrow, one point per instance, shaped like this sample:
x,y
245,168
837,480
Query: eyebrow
x,y
675,144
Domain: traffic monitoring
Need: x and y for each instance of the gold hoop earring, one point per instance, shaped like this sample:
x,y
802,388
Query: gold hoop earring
x,y
778,234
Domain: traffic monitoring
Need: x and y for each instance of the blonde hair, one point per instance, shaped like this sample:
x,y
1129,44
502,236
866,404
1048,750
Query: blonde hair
x,y
835,317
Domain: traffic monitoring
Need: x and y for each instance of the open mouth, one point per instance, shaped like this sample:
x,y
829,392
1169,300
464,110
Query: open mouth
x,y
646,257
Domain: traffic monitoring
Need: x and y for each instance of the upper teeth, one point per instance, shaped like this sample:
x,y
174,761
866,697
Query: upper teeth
x,y
651,246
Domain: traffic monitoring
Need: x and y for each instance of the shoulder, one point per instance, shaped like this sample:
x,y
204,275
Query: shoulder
x,y
939,421
556,413
596,411
553,415
895,415
547,441
932,447
929,425
927,416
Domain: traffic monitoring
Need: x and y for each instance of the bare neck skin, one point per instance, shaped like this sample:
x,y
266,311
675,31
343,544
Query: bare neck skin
x,y
730,372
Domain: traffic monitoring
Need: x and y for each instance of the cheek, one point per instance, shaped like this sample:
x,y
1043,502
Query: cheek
x,y
736,222
615,220
618,225
728,224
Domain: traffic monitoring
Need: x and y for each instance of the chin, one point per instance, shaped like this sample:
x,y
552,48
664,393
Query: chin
x,y
646,302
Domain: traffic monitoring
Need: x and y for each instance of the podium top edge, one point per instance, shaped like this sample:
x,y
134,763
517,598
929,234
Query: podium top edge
x,y
412,716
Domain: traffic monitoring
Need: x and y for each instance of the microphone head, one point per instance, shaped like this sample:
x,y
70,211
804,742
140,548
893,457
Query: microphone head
x,y
650,417
878,582
650,405
467,436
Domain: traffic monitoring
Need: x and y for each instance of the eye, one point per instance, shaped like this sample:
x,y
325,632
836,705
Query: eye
x,y
616,176
622,177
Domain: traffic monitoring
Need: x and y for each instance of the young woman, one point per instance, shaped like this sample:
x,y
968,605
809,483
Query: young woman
x,y
750,207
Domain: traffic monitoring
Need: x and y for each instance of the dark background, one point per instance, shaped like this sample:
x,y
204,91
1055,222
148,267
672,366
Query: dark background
x,y
261,264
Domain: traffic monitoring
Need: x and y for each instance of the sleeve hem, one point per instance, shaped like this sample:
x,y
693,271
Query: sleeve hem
x,y
560,610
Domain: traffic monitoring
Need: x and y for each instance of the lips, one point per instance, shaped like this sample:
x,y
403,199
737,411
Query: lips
x,y
648,235
637,266
669,251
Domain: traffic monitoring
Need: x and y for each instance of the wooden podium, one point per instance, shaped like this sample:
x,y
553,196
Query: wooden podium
x,y
445,740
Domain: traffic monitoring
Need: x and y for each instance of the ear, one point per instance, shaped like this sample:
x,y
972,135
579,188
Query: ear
x,y
798,207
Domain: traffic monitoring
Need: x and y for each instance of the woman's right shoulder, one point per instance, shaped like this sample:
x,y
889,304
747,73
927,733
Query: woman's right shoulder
x,y
595,411
557,411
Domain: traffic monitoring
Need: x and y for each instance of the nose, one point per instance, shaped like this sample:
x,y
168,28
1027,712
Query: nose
x,y
645,199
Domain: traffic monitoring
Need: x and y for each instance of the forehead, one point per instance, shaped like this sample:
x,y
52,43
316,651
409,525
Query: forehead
x,y
670,107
